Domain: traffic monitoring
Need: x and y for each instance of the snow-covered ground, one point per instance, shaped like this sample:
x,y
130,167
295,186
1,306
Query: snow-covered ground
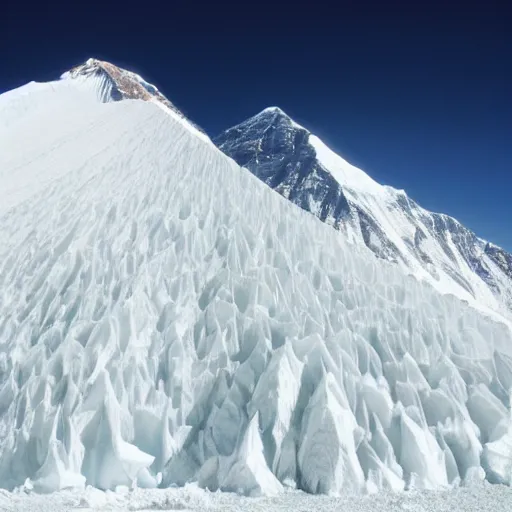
x,y
166,318
484,498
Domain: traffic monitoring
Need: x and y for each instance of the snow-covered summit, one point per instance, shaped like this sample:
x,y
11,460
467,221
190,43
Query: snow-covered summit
x,y
433,247
113,83
118,83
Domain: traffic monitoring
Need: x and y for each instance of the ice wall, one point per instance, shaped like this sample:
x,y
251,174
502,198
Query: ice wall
x,y
165,317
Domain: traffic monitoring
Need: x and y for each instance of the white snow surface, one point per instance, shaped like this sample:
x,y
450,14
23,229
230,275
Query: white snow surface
x,y
480,498
345,173
166,318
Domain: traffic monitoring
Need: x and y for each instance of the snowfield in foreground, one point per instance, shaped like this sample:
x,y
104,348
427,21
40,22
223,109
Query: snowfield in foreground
x,y
167,318
486,498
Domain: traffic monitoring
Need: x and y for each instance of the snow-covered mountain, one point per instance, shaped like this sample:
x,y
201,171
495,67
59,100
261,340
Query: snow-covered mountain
x,y
166,317
431,246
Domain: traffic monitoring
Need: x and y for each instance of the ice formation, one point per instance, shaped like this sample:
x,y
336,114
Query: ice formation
x,y
167,318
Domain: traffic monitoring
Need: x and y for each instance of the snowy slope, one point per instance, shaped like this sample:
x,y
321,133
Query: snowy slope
x,y
167,318
433,247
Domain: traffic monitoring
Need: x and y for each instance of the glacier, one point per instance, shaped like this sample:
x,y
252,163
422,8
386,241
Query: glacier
x,y
167,318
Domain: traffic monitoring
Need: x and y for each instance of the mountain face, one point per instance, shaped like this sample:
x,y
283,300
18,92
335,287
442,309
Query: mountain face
x,y
166,317
431,246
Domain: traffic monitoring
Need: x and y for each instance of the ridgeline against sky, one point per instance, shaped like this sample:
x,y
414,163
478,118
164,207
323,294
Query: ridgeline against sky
x,y
416,95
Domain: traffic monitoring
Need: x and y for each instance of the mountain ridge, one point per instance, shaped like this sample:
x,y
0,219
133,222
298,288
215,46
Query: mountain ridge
x,y
299,166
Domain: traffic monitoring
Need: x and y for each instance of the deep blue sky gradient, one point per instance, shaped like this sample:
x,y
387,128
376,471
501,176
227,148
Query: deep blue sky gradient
x,y
417,94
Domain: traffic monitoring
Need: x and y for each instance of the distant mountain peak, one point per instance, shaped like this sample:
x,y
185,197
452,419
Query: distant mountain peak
x,y
273,111
276,114
432,246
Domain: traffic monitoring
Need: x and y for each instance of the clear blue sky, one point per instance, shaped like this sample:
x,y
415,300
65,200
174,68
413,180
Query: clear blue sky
x,y
418,94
